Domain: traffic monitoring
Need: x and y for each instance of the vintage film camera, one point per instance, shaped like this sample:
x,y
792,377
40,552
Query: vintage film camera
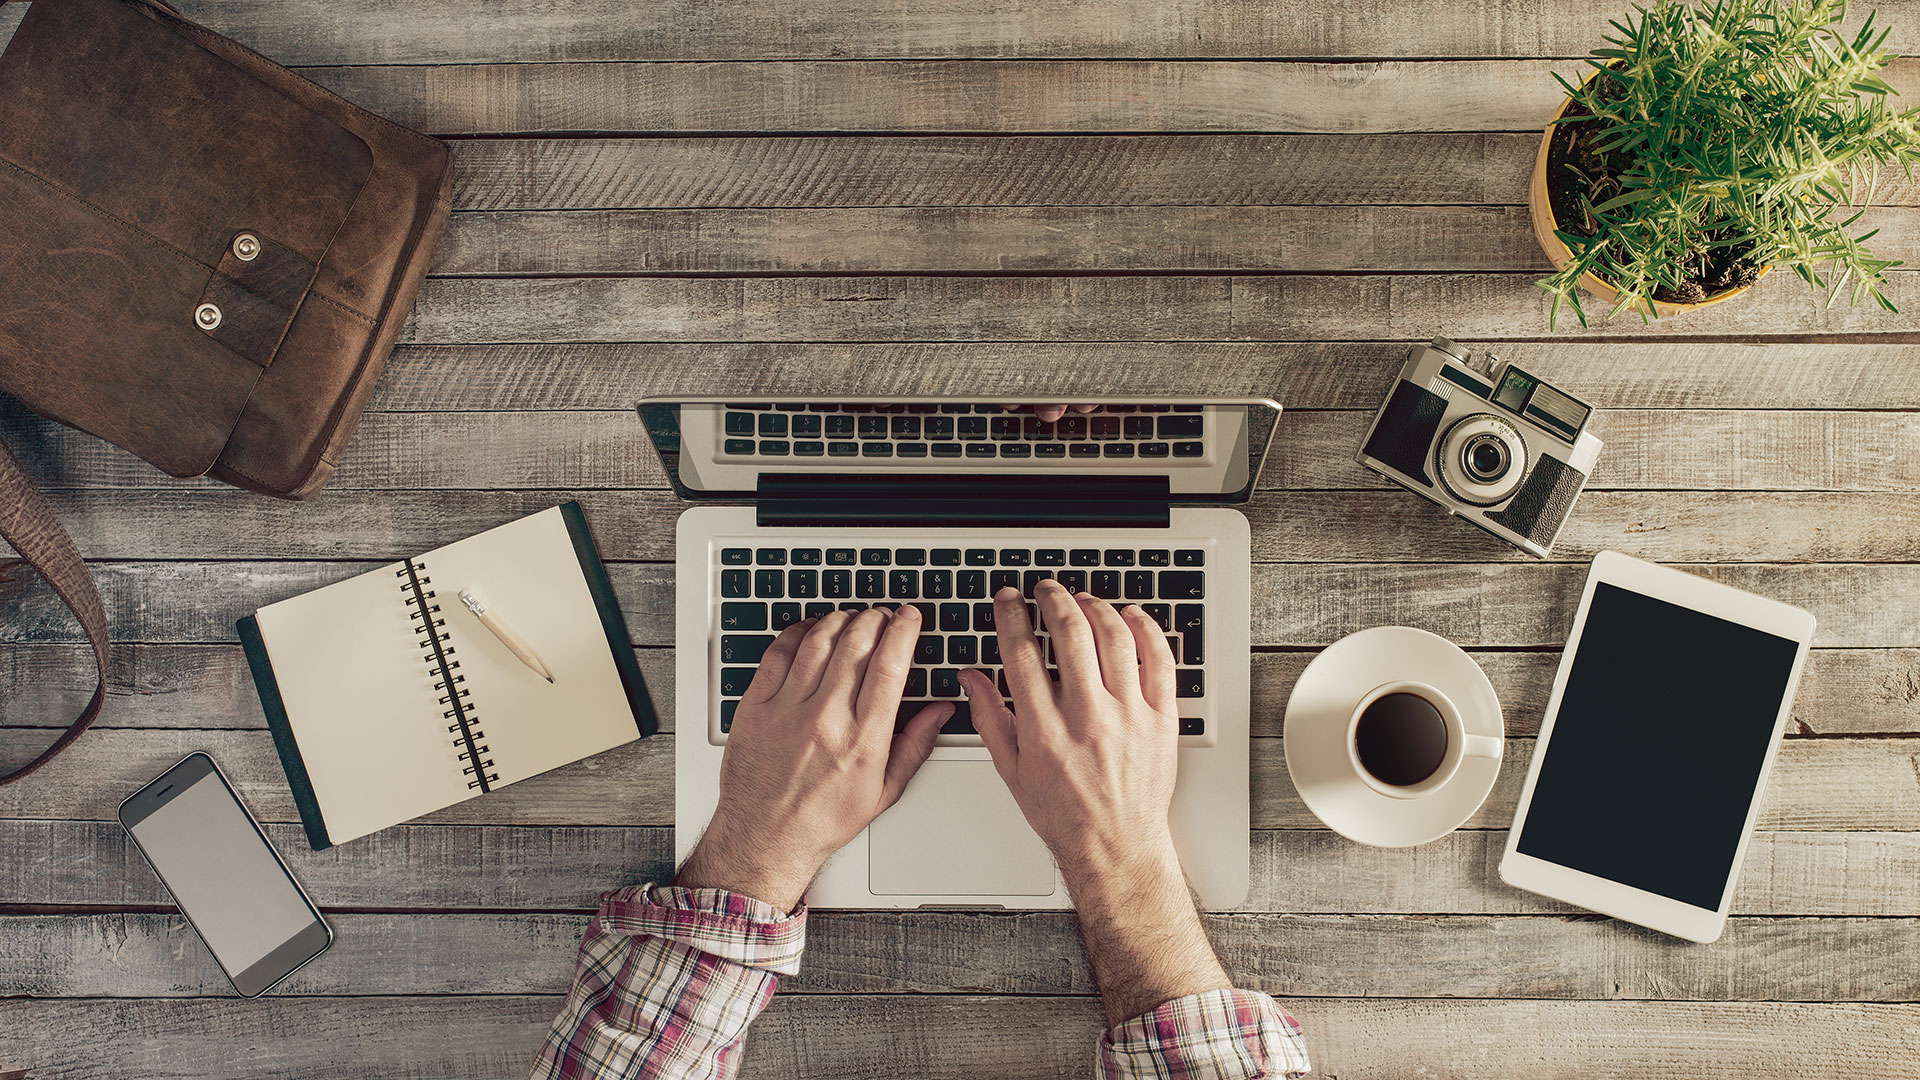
x,y
1487,441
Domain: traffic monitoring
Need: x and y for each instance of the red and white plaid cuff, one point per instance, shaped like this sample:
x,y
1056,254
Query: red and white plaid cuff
x,y
725,924
1218,1035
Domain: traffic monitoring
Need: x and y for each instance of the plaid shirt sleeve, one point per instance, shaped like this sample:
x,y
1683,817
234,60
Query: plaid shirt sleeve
x,y
667,982
1218,1035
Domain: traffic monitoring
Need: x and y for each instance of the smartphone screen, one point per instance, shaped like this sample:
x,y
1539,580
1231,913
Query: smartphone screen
x,y
228,881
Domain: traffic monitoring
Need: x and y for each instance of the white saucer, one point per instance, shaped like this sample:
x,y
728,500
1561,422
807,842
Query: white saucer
x,y
1316,735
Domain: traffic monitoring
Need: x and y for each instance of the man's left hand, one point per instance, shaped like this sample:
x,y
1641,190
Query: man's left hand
x,y
812,757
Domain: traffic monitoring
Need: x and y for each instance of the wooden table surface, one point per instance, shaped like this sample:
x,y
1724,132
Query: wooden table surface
x,y
1028,196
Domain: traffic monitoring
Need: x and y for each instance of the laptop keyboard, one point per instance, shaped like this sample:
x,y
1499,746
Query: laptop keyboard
x,y
933,431
763,590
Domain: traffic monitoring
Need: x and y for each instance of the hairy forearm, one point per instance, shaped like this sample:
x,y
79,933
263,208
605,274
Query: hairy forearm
x,y
1142,932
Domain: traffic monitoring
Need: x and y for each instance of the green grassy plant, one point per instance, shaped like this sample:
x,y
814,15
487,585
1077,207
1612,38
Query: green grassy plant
x,y
1713,141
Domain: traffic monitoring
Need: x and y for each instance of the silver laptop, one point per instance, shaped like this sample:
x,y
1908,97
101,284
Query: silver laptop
x,y
811,505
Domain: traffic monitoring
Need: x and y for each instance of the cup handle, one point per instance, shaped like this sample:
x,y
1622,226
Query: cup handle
x,y
1486,746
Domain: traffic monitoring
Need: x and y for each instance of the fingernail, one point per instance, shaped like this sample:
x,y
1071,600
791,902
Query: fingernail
x,y
1007,593
907,611
1083,596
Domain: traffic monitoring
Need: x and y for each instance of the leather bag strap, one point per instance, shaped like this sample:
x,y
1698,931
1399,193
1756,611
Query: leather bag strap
x,y
27,523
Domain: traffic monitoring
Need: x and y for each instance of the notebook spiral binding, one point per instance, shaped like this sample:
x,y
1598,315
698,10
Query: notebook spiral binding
x,y
449,684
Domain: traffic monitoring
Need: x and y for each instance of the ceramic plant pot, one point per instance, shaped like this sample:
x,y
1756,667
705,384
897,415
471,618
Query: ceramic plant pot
x,y
1544,227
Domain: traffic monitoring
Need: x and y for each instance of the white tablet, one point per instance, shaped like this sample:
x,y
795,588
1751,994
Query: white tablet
x,y
1665,715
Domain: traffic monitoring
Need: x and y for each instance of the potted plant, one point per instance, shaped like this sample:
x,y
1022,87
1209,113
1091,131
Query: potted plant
x,y
1709,144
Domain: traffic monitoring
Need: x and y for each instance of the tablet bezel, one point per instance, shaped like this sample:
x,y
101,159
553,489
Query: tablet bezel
x,y
1605,895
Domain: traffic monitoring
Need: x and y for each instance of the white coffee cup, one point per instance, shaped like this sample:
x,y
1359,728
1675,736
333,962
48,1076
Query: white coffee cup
x,y
1460,744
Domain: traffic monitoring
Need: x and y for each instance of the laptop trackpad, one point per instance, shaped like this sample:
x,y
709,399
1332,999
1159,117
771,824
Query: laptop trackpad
x,y
957,832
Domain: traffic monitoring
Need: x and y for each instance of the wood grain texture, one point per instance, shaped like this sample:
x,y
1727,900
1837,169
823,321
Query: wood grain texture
x,y
154,955
972,96
936,171
825,1035
442,31
541,868
1294,604
1360,307
1842,784
1335,526
1300,375
1842,692
560,454
1174,239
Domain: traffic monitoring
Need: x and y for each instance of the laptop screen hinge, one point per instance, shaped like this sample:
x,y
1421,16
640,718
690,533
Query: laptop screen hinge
x,y
963,501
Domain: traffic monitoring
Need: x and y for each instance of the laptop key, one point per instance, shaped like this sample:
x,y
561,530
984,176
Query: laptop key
x,y
960,723
1050,557
806,556
964,651
1189,620
771,556
768,583
917,682
1074,581
743,648
839,424
1050,450
990,651
785,615
1139,427
1193,725
876,557
1106,584
1003,579
1083,450
837,584
953,617
937,584
903,584
972,584
1139,584
803,584
1121,450
739,446
726,715
1179,427
1189,449
910,557
980,450
946,449
809,449
1119,557
736,556
1085,557
1015,557
876,449
1156,558
980,557
840,557
774,447
928,650
870,584
983,618
946,557
1190,557
735,680
944,682
748,616
773,423
1190,682
911,449
842,449
1161,614
739,423
1031,580
1183,585
1155,449
818,609
736,583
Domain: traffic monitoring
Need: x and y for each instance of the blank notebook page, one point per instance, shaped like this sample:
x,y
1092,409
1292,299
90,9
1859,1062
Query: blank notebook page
x,y
361,698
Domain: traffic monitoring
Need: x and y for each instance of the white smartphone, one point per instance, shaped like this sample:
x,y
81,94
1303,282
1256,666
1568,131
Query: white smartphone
x,y
1662,727
230,883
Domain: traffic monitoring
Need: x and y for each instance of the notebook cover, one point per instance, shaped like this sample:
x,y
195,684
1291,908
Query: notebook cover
x,y
276,710
615,624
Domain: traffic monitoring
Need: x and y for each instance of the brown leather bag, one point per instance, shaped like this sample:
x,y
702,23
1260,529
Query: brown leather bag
x,y
204,259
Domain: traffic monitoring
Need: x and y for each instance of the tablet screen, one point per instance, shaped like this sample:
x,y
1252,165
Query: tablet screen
x,y
1664,724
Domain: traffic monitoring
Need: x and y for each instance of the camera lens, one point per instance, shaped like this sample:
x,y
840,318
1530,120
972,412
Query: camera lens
x,y
1482,460
1486,458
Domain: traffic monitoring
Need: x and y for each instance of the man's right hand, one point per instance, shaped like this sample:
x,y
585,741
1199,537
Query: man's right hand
x,y
1090,759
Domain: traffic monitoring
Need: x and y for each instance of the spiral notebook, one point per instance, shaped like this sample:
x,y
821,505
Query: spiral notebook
x,y
388,699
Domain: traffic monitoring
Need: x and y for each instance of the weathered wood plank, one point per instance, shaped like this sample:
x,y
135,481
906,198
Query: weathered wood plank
x,y
1451,168
1397,956
1181,239
1466,169
1615,375
314,32
545,868
1336,526
1858,784
1843,691
964,1036
972,96
1472,604
1359,307
577,452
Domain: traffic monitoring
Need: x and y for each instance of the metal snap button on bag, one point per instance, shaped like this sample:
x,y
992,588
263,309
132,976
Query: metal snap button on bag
x,y
207,317
246,247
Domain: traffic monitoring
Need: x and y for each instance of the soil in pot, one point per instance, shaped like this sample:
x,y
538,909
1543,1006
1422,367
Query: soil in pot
x,y
1707,273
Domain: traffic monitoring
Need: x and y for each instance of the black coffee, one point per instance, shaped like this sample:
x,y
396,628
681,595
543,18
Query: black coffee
x,y
1401,739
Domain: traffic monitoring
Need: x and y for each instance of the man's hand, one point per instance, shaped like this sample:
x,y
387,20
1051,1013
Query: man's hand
x,y
812,757
1091,760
